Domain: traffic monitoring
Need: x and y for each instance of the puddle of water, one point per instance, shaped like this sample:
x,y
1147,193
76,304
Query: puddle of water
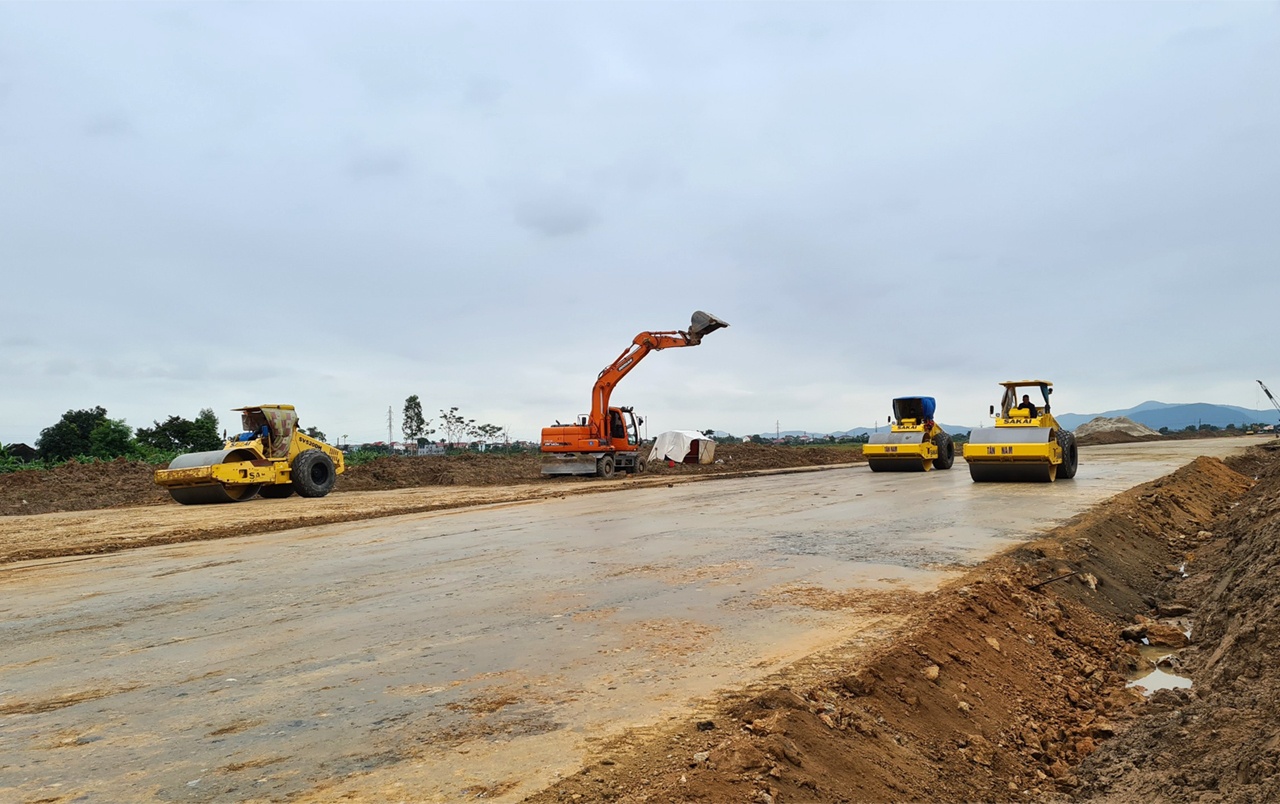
x,y
1155,678
1158,679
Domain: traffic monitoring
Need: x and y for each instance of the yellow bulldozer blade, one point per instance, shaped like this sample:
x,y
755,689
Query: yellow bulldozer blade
x,y
220,476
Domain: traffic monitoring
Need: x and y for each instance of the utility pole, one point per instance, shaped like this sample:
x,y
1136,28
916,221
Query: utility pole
x,y
390,441
777,429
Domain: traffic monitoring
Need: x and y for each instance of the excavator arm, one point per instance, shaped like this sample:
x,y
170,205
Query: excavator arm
x,y
644,343
1267,391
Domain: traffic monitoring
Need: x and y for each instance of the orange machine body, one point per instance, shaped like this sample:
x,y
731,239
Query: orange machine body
x,y
607,439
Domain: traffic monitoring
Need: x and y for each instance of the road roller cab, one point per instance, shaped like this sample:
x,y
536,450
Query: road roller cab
x,y
271,458
1026,443
914,443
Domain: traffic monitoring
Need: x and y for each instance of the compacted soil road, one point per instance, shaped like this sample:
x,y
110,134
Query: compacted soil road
x,y
472,652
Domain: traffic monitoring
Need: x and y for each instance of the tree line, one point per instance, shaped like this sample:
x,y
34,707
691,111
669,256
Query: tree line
x,y
454,427
91,433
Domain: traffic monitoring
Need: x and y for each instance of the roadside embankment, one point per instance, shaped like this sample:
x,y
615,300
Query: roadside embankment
x,y
1001,687
1218,740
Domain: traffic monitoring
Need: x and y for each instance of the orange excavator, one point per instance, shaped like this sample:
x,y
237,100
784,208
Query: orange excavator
x,y
607,440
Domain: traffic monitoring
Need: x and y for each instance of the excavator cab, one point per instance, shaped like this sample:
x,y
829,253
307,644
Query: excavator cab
x,y
624,427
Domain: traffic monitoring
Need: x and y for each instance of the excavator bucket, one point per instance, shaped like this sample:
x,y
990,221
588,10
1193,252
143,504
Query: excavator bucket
x,y
703,323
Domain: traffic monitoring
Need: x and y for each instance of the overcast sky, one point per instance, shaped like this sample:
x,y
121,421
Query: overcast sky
x,y
337,205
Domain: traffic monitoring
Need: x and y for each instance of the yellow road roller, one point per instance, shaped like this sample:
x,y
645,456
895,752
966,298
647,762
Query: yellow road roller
x,y
271,458
914,443
1026,443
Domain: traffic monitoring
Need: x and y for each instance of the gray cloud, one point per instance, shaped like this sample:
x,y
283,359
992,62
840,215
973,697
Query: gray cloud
x,y
483,203
555,216
378,165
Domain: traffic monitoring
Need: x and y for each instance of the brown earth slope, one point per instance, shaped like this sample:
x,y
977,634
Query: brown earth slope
x,y
1001,687
1219,740
121,483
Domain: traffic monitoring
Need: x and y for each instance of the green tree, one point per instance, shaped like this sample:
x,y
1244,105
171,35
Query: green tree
x,y
70,436
177,434
315,432
415,427
112,438
204,431
456,425
489,433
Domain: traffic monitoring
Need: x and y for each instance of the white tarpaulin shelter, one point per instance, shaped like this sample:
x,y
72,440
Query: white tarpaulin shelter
x,y
683,446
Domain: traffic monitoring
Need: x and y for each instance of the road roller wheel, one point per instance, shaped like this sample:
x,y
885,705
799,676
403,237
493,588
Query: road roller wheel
x,y
1070,455
313,474
604,467
276,491
946,451
216,493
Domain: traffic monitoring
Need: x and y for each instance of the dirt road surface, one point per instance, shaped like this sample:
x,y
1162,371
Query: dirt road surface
x,y
477,652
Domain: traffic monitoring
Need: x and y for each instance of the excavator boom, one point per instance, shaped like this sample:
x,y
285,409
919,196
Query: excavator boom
x,y
644,343
608,437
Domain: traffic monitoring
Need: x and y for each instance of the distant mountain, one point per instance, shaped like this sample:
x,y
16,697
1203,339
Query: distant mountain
x,y
1178,417
1151,413
857,431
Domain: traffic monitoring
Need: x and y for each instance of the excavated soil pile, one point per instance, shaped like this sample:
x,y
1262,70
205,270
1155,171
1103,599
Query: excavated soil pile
x,y
751,457
1217,741
79,487
121,483
468,469
1118,430
1003,684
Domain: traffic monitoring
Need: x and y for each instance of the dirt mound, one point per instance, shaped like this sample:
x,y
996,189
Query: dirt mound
x,y
1117,430
468,469
120,483
1002,686
752,457
1216,741
79,487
